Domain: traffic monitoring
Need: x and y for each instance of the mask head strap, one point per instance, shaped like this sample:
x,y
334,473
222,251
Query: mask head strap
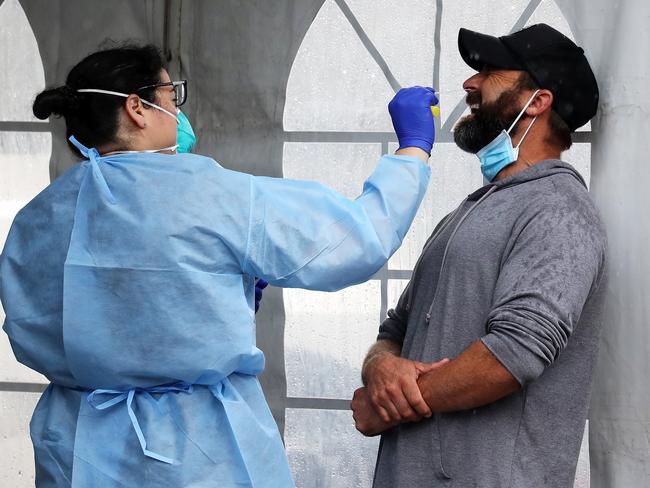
x,y
92,154
124,95
150,151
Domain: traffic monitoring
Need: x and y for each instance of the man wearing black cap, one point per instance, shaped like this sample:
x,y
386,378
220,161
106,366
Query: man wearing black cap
x,y
481,373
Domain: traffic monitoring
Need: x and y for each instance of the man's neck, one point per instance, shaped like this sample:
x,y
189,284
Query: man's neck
x,y
527,159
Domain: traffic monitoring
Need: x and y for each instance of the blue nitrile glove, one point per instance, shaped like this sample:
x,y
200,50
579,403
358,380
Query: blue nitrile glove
x,y
260,284
410,110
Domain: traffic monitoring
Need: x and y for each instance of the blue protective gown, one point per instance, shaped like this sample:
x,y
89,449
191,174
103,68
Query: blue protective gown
x,y
129,283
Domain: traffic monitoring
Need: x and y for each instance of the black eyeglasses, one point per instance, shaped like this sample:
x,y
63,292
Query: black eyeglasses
x,y
180,90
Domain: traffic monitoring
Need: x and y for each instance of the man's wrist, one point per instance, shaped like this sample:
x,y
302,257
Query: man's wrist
x,y
369,362
425,388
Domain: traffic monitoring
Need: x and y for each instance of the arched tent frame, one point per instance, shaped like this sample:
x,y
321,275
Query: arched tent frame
x,y
239,117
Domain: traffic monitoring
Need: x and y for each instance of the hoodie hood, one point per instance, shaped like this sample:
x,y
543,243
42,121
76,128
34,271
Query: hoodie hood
x,y
548,167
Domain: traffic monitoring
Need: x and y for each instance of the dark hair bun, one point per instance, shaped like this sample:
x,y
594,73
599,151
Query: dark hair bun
x,y
57,101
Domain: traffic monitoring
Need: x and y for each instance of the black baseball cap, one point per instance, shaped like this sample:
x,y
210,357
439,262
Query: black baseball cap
x,y
553,60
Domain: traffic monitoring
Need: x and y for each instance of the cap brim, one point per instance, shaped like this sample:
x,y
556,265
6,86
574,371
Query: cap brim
x,y
480,50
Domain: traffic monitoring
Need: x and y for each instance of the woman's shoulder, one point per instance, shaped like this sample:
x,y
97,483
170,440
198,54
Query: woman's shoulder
x,y
210,168
61,190
203,176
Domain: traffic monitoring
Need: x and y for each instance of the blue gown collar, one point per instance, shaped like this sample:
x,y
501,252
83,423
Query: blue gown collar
x,y
94,157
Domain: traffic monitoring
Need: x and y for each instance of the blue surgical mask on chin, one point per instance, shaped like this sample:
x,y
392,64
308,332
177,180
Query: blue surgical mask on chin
x,y
500,153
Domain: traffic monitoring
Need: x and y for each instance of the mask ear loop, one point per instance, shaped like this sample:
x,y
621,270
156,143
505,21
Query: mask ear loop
x,y
520,115
525,133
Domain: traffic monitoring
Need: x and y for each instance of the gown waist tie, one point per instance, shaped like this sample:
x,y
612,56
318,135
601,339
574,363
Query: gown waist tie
x,y
118,396
248,426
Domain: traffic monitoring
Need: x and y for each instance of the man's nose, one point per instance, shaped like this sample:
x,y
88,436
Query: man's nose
x,y
473,83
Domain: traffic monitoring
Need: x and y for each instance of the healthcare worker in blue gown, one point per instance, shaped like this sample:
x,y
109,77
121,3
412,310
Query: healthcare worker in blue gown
x,y
129,281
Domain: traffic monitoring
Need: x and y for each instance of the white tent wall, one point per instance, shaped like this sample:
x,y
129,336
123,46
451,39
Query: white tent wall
x,y
616,38
298,88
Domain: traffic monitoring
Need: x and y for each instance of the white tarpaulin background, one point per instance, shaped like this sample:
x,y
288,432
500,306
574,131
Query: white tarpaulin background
x,y
298,88
616,36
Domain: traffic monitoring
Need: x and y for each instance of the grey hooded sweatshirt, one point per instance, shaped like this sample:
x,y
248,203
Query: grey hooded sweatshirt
x,y
520,266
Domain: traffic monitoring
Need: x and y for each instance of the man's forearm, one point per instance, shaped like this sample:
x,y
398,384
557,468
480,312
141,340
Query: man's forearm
x,y
473,379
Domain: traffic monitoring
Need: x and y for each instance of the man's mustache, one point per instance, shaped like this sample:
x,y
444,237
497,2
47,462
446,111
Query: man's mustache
x,y
473,98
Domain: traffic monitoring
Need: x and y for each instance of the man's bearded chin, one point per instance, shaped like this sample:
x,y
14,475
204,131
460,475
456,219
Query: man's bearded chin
x,y
482,126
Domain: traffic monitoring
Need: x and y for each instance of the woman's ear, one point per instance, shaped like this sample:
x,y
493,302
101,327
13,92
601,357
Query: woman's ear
x,y
543,102
135,111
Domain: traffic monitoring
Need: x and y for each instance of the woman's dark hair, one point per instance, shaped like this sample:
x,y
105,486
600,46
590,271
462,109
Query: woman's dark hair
x,y
92,117
560,135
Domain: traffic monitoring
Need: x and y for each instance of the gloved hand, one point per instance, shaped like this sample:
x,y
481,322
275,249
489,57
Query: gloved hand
x,y
410,110
260,284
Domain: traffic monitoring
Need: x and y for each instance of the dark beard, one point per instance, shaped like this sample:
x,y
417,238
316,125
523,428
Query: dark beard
x,y
477,130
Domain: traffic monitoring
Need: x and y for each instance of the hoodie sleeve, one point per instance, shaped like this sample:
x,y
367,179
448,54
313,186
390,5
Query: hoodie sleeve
x,y
549,270
393,328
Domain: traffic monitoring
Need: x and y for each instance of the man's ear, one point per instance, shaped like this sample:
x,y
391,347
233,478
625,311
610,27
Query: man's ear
x,y
135,111
542,102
